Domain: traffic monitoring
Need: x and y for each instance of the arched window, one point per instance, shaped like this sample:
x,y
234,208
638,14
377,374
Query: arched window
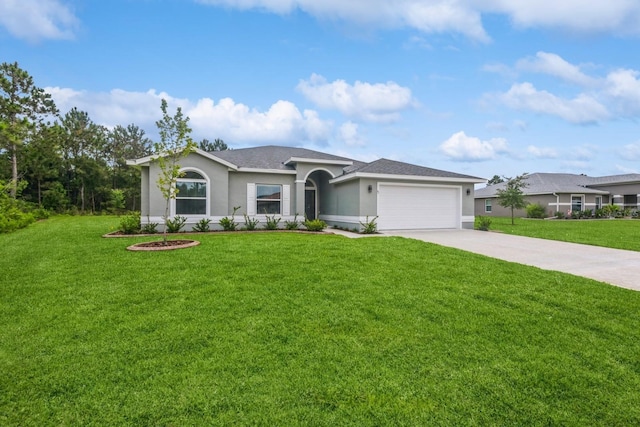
x,y
193,194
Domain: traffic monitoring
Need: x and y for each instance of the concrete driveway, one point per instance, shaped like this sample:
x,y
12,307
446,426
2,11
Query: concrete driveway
x,y
614,266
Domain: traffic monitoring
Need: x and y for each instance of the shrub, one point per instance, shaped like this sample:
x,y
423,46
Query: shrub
x,y
202,225
315,224
587,213
149,228
229,224
559,215
369,226
272,223
249,223
483,223
175,225
130,224
293,224
536,210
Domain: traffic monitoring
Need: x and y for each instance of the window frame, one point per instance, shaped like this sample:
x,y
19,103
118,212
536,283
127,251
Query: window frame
x,y
488,205
577,196
279,200
207,198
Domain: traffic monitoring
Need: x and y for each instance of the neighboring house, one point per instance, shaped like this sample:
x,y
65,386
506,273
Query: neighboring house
x,y
285,182
563,192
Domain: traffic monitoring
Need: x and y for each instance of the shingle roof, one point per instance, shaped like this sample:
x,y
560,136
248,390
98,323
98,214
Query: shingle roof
x,y
392,167
548,183
272,157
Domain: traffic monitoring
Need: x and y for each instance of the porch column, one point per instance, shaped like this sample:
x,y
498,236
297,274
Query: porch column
x,y
300,197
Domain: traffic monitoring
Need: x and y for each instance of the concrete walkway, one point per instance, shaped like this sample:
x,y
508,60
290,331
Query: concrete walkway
x,y
614,266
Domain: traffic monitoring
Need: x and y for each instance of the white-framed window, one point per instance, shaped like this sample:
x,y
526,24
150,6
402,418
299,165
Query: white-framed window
x,y
598,202
487,205
192,197
268,199
576,203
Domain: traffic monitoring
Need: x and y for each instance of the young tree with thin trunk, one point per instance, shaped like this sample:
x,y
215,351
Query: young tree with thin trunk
x,y
512,195
22,105
175,143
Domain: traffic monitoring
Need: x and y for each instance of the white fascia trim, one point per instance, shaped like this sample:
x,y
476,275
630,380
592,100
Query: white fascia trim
x,y
148,159
272,171
319,161
403,177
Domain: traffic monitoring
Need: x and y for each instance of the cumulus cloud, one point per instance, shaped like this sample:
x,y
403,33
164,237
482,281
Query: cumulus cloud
x,y
583,109
348,133
623,87
34,20
461,147
461,16
237,123
378,102
554,65
436,16
542,152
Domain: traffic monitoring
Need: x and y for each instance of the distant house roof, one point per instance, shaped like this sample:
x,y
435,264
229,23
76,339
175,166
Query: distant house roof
x,y
549,183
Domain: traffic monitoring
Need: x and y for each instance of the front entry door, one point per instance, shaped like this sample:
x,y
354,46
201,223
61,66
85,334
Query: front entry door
x,y
310,204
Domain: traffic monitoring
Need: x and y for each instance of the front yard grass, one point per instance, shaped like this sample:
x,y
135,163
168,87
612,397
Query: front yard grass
x,y
610,233
297,329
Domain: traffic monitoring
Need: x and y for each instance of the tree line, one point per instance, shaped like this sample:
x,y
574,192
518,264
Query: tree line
x,y
66,162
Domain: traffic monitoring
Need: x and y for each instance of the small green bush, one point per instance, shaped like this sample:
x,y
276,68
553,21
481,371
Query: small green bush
x,y
202,225
149,228
536,210
272,223
369,226
315,224
293,224
249,223
229,223
175,225
483,223
130,224
559,215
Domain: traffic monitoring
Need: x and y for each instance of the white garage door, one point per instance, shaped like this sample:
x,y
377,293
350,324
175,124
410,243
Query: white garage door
x,y
405,207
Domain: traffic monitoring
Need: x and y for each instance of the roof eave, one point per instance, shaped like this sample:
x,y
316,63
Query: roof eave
x,y
318,161
357,175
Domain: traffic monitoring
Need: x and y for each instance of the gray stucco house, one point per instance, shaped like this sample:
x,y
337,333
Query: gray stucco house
x,y
285,181
563,192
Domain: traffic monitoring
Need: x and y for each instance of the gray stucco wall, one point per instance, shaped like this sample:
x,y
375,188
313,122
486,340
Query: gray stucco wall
x,y
238,188
218,179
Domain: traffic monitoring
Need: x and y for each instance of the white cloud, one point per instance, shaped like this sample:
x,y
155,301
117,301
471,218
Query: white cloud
x,y
624,169
631,152
623,87
236,123
542,152
613,16
378,102
554,65
462,16
583,109
461,147
34,20
350,136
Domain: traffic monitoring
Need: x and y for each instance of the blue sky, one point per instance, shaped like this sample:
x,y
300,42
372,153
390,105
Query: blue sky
x,y
481,87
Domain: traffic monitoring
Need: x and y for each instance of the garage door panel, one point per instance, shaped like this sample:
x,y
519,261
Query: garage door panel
x,y
418,207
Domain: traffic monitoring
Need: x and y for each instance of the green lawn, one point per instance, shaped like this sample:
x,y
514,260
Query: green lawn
x,y
299,329
612,233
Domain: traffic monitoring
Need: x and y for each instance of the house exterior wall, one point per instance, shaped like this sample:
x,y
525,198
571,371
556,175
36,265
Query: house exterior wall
x,y
237,188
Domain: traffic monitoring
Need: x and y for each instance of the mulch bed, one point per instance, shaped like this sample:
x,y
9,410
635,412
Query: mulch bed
x,y
161,246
